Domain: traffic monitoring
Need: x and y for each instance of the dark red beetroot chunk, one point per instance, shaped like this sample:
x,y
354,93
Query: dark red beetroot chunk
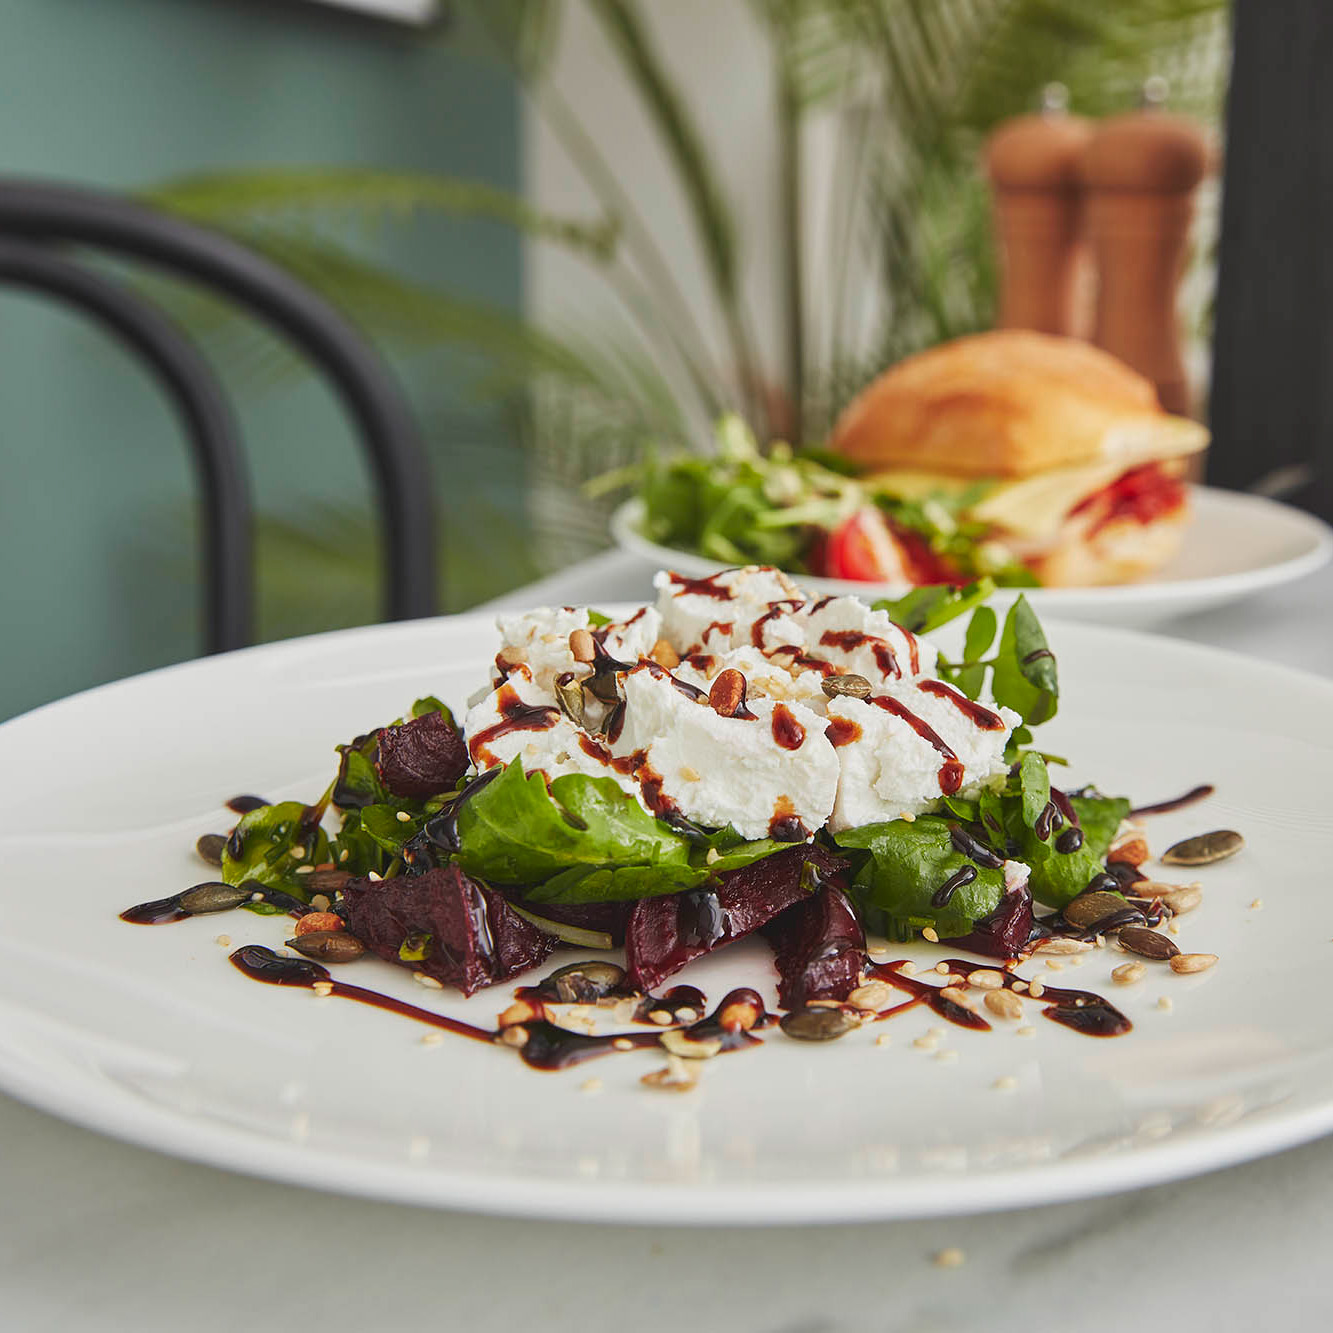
x,y
1005,931
819,948
664,934
423,757
476,938
610,918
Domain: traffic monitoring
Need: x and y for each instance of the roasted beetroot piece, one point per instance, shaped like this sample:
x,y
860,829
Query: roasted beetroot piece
x,y
610,918
664,934
423,757
1005,931
444,924
819,948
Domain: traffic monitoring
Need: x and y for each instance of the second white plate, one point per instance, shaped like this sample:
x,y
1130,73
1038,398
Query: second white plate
x,y
1237,546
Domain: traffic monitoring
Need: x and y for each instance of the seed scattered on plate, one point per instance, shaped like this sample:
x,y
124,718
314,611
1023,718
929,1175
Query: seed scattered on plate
x,y
950,1258
1006,1083
1204,849
212,897
1147,943
1088,909
1004,1004
210,848
1128,973
1193,962
817,1024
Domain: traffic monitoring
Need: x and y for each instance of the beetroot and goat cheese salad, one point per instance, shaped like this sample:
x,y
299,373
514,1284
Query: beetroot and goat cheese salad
x,y
734,759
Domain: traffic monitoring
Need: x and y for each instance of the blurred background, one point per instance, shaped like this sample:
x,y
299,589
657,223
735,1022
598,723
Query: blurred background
x,y
576,228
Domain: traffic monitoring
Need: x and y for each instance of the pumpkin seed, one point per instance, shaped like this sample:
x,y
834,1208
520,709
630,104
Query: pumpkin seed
x,y
328,946
1204,849
569,694
580,983
1147,943
1089,908
327,881
858,687
210,848
213,897
817,1024
678,1043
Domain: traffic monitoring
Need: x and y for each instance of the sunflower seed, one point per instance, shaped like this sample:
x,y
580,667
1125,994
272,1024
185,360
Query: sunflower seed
x,y
1193,962
1059,944
213,897
1089,908
328,946
1180,901
1204,849
817,1024
1147,943
874,995
210,848
858,687
1127,973
1004,1003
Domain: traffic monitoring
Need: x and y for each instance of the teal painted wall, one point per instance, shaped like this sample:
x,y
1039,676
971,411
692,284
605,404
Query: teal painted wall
x,y
97,575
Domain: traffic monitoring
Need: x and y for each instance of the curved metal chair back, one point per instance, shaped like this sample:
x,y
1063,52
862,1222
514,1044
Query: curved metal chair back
x,y
38,218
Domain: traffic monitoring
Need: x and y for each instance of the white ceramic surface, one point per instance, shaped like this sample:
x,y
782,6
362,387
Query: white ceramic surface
x,y
148,1033
1238,545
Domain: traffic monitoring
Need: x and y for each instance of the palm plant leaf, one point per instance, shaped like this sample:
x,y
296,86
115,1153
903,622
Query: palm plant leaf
x,y
368,197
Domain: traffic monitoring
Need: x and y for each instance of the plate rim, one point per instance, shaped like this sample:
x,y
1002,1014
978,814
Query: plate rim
x,y
623,525
72,1094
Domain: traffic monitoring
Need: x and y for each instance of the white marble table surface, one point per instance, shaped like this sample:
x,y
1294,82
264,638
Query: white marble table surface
x,y
97,1235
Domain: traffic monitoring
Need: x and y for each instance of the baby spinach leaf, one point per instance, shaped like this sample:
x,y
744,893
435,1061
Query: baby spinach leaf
x,y
430,704
980,633
927,608
907,865
1024,676
516,831
271,843
1100,817
1034,787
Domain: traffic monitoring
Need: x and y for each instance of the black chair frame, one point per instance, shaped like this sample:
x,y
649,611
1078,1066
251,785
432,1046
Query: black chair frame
x,y
38,219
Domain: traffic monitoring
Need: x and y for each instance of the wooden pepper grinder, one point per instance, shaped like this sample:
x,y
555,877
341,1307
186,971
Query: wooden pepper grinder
x,y
1033,163
1141,171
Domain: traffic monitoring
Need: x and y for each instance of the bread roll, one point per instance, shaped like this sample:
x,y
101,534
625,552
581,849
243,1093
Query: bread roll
x,y
1004,404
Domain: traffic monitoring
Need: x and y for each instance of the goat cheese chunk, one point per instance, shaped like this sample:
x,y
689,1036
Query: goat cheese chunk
x,y
909,744
851,638
773,773
715,614
544,741
540,640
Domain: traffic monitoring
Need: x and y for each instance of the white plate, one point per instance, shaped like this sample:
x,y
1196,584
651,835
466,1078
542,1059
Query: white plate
x,y
1237,546
148,1033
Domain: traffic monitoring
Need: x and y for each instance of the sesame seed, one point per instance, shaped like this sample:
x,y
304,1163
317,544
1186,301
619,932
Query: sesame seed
x,y
883,1039
256,897
432,1038
947,1057
322,988
623,1044
1173,928
224,940
1164,1003
429,982
515,1036
1100,941
344,854
926,1043
404,817
305,870
950,1258
687,1015
320,902
907,817
908,969
937,1033
1053,965
1074,960
712,854
1020,986
591,1085
1256,905
1007,1083
1026,1031
661,1017
373,874
942,969
929,933
1036,989
298,853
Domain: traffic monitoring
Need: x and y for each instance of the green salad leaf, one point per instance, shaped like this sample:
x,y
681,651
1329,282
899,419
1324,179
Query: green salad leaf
x,y
907,864
271,843
928,607
1100,817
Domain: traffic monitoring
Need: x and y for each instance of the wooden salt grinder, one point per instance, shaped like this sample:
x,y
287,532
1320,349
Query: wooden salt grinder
x,y
1033,163
1141,171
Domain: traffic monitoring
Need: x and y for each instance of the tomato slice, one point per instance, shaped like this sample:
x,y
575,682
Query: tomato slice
x,y
864,548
